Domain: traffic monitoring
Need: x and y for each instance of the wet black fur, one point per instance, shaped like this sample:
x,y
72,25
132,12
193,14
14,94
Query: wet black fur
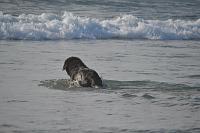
x,y
78,71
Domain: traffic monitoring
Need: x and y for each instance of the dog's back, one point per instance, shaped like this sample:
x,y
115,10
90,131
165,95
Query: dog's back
x,y
89,77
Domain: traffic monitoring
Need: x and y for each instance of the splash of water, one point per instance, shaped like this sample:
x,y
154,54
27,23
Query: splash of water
x,y
48,26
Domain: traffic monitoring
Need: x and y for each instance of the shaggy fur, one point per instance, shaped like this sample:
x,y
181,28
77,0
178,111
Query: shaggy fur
x,y
78,71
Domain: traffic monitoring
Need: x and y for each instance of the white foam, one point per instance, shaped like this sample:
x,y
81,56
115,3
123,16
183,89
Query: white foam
x,y
69,26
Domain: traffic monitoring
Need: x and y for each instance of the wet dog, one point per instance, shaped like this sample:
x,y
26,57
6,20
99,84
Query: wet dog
x,y
81,74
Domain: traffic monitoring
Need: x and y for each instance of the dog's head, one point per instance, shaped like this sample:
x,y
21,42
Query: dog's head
x,y
72,63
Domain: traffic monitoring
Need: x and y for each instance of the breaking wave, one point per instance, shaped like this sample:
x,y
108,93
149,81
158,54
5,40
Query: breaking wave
x,y
48,26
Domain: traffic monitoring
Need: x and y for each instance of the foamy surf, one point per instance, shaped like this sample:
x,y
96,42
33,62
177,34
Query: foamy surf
x,y
47,26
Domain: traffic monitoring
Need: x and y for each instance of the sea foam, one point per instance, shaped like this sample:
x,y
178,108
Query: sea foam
x,y
47,26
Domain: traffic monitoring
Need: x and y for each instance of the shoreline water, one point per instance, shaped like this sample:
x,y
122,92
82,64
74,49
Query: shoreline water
x,y
148,55
159,97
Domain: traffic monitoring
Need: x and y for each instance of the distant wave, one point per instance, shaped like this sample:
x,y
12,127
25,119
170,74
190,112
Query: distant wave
x,y
49,26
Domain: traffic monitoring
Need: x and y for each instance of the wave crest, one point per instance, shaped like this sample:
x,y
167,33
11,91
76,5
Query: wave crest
x,y
48,26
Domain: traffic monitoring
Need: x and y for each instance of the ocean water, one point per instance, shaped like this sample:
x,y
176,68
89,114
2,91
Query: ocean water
x,y
147,53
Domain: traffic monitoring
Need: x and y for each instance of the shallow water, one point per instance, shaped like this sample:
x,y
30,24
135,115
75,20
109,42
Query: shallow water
x,y
147,53
150,86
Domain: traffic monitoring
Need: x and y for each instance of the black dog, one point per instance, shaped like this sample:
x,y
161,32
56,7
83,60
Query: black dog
x,y
78,71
